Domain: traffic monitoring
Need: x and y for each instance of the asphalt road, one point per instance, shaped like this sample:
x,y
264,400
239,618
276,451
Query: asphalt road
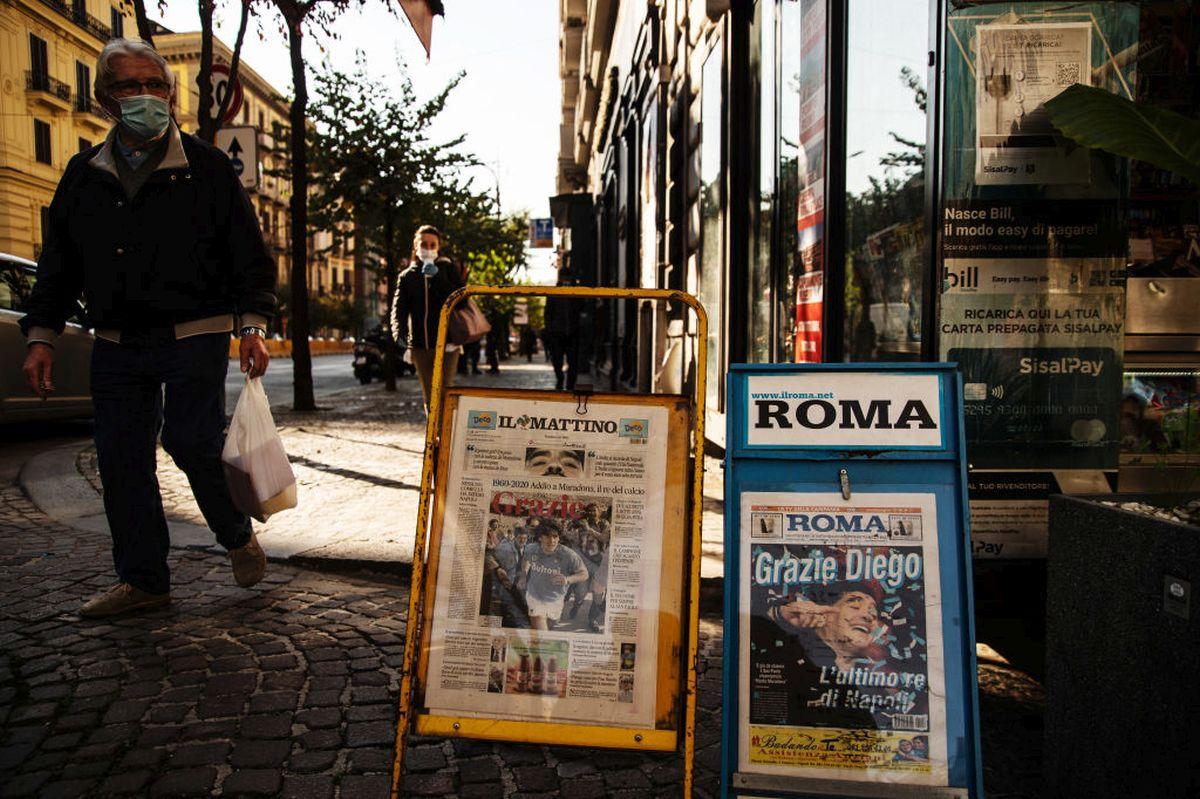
x,y
330,373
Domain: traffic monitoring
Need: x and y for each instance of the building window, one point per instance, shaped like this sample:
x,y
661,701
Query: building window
x,y
885,180
118,24
84,144
39,65
79,7
266,223
83,82
41,141
262,121
245,112
712,217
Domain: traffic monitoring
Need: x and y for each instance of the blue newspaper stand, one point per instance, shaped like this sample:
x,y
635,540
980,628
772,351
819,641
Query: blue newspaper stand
x,y
849,645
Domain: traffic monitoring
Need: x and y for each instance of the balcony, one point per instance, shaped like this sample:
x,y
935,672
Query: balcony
x,y
48,91
82,19
90,113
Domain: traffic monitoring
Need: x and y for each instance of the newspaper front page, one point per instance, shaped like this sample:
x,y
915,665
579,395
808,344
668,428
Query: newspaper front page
x,y
841,638
547,598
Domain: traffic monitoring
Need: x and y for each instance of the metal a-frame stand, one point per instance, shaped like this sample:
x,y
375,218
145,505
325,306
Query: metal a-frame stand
x,y
433,444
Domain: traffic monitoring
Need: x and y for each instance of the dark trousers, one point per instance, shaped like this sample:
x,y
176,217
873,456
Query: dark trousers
x,y
562,348
127,391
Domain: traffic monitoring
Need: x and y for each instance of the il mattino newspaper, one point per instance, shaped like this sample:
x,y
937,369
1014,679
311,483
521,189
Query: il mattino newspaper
x,y
550,561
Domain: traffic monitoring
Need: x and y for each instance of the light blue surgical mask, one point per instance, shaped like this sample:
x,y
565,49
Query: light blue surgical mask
x,y
145,116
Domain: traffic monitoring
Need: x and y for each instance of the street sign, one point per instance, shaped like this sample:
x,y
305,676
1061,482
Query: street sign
x,y
541,233
241,146
222,86
849,640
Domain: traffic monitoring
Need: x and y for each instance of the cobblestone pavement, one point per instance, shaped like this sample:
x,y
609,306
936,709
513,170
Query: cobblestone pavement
x,y
289,689
286,689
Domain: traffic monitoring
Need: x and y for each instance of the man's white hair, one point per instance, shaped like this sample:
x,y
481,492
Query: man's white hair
x,y
138,48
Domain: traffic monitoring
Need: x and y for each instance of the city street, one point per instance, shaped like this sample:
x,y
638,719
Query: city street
x,y
289,688
331,373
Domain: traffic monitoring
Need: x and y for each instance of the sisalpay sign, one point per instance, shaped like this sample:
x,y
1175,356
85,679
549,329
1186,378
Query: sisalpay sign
x,y
857,410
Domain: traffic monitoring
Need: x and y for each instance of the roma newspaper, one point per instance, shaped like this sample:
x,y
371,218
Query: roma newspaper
x,y
546,605
840,637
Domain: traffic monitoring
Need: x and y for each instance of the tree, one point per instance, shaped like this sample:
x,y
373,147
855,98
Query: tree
x,y
377,172
145,29
298,15
210,122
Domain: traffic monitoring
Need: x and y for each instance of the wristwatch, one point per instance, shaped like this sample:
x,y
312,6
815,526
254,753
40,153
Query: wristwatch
x,y
252,330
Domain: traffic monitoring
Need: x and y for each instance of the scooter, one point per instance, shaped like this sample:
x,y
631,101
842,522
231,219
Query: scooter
x,y
368,358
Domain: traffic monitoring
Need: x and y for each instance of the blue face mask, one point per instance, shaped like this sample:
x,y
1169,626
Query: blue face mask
x,y
145,116
429,269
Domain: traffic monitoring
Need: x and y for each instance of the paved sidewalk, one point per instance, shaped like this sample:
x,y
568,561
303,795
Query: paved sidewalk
x,y
358,470
290,689
286,689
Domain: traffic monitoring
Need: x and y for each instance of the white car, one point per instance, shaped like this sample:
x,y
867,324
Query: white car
x,y
72,396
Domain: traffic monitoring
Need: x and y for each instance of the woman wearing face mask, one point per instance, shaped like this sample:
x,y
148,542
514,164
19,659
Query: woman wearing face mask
x,y
421,291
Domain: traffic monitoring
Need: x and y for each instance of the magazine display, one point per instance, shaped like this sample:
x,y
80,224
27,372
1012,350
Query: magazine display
x,y
841,637
547,596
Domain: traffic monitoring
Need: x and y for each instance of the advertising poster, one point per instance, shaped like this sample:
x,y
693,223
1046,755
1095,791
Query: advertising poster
x,y
1039,342
1010,513
841,638
550,562
810,303
1033,312
1017,69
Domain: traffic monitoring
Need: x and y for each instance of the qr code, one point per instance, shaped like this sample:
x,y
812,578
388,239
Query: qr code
x,y
1066,74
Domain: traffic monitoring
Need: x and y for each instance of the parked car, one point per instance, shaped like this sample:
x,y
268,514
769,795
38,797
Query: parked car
x,y
72,396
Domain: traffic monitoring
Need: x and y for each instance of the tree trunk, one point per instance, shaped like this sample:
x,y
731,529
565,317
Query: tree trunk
x,y
389,260
211,110
206,125
302,382
143,22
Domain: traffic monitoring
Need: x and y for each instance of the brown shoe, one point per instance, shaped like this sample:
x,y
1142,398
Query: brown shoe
x,y
249,562
122,598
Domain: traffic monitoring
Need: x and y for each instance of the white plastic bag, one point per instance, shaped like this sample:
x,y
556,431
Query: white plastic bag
x,y
257,471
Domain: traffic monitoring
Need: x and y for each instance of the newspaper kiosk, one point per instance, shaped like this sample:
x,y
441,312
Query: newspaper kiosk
x,y
849,644
556,601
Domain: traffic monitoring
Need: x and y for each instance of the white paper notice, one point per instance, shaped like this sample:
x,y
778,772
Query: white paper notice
x,y
1017,69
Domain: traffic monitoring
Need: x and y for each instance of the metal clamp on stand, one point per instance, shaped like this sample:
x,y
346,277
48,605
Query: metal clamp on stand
x,y
581,400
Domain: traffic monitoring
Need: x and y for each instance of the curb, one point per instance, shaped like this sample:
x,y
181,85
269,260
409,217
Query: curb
x,y
53,483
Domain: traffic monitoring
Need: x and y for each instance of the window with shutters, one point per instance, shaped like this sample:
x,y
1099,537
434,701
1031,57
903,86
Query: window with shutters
x,y
39,65
118,24
83,82
41,141
84,144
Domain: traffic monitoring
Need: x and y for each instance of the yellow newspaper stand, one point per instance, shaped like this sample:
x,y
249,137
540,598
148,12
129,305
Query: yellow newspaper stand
x,y
657,645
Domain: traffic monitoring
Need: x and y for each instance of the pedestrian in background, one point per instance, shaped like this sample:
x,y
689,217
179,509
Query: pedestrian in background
x,y
154,229
495,339
528,342
421,291
561,336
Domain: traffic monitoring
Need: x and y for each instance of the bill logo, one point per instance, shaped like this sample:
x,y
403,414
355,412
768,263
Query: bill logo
x,y
965,280
481,420
635,428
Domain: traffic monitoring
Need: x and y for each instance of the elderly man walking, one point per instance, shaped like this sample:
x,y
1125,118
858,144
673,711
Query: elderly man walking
x,y
153,228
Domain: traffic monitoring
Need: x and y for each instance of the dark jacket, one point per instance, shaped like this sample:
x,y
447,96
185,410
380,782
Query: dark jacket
x,y
419,299
187,246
